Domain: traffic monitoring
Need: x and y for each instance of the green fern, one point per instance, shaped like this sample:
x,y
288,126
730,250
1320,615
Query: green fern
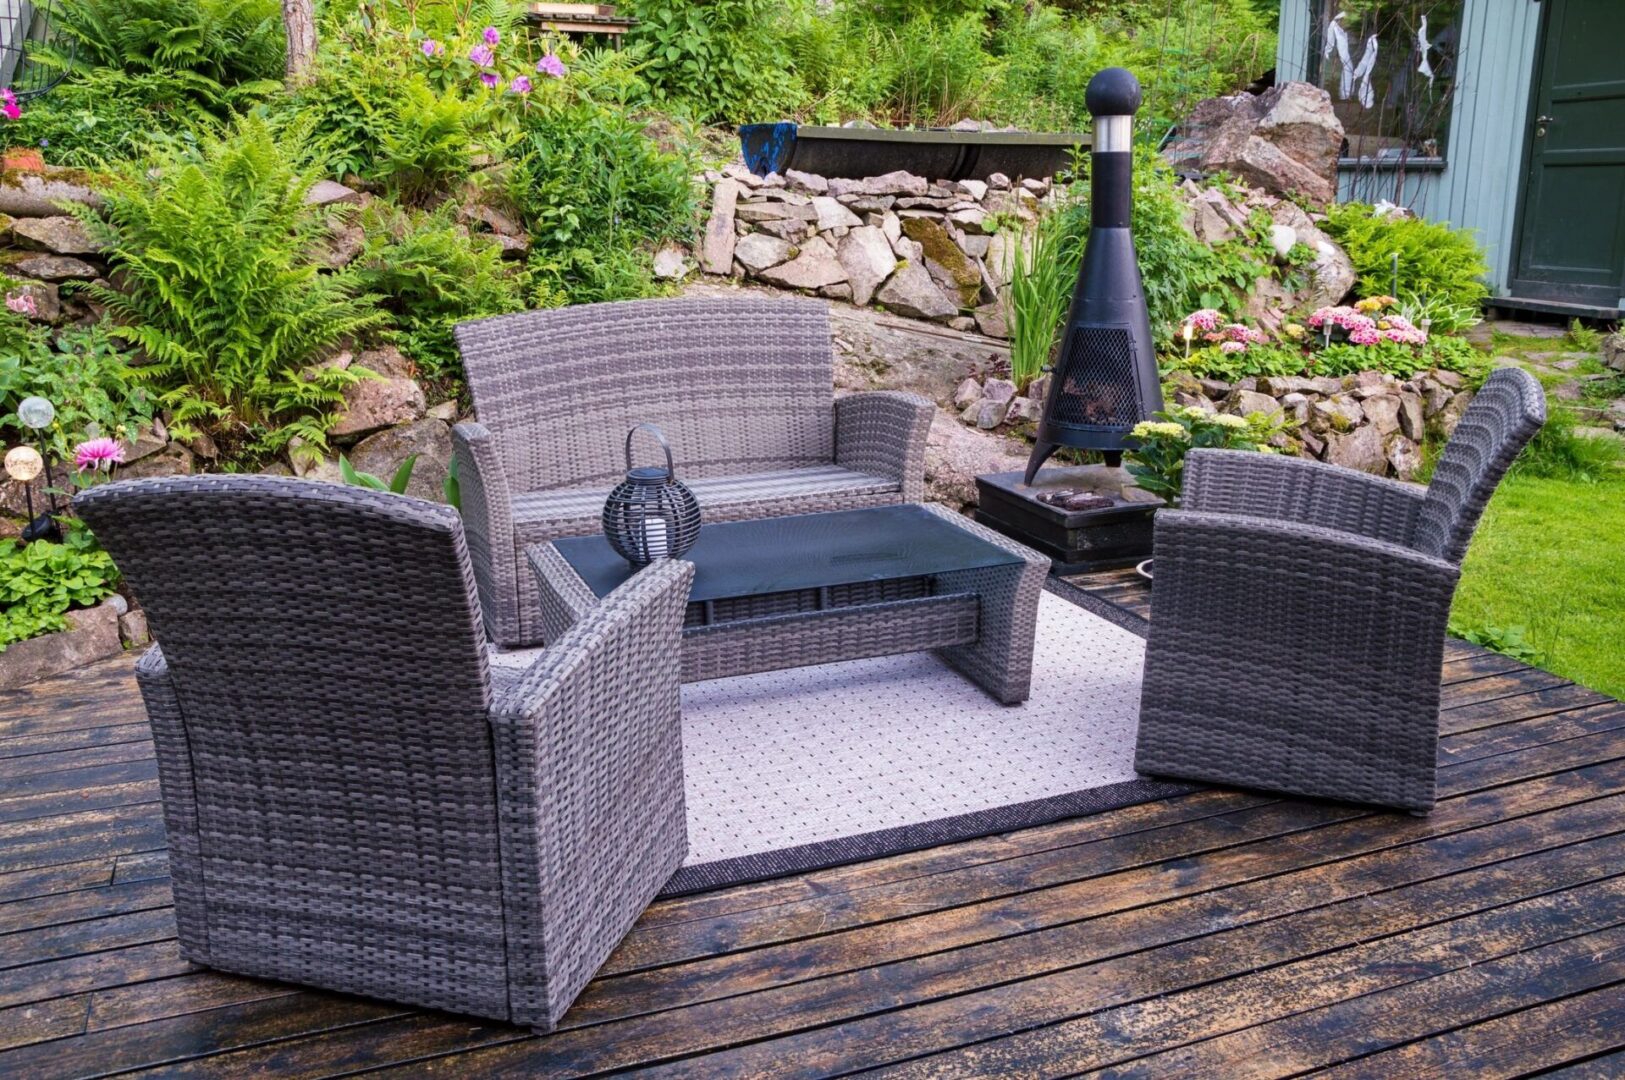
x,y
218,290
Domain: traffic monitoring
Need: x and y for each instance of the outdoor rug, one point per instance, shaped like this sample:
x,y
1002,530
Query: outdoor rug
x,y
790,771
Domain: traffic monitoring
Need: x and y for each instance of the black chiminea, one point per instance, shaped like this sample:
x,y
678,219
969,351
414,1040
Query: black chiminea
x,y
1105,375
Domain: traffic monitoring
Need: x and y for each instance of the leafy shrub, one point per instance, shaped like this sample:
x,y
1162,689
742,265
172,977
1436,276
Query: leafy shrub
x,y
425,141
594,189
1043,274
105,115
430,274
1436,262
1506,640
84,374
42,581
1157,461
219,290
721,58
218,52
1337,359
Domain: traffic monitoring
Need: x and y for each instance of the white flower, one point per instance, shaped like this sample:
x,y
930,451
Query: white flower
x,y
1226,420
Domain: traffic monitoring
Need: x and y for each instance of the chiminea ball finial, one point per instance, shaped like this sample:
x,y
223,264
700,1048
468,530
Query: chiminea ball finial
x,y
1113,91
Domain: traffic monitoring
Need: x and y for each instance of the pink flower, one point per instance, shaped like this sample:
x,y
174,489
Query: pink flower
x,y
481,55
1365,335
22,303
491,36
432,48
490,79
8,105
520,85
551,65
101,453
1232,347
1205,319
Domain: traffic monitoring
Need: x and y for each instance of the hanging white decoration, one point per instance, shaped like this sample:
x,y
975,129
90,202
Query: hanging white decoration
x,y
1422,46
1362,72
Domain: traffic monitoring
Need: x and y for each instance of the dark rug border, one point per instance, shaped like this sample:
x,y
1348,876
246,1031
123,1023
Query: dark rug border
x,y
927,834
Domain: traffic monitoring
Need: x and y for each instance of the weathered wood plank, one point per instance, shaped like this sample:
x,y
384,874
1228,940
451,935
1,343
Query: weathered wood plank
x,y
38,1022
57,742
82,904
94,971
71,800
1507,1046
1415,1010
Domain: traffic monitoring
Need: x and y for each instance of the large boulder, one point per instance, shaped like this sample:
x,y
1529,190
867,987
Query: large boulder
x,y
717,249
381,454
957,273
814,267
35,195
867,256
61,235
911,291
392,398
1286,140
955,455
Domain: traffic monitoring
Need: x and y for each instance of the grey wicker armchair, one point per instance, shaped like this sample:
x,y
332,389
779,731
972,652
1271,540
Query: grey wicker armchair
x,y
743,388
354,799
1299,609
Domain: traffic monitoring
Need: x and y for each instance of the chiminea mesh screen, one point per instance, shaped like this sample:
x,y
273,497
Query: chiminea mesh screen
x,y
1098,380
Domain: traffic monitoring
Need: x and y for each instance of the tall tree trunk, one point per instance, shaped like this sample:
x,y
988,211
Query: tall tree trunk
x,y
299,21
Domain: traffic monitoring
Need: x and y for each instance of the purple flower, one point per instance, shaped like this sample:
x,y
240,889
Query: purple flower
x,y
490,79
432,48
491,36
101,453
520,85
551,65
481,55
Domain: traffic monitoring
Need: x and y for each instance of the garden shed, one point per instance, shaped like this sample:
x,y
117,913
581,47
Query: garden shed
x,y
1506,117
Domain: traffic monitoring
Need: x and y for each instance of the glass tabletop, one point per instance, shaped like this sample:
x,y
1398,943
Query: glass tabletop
x,y
804,551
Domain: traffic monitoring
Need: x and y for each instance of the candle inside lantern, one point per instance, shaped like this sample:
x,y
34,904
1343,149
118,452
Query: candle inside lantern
x,y
654,538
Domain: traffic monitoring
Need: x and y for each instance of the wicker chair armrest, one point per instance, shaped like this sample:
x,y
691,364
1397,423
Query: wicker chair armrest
x,y
487,512
173,751
882,432
564,598
1301,490
588,746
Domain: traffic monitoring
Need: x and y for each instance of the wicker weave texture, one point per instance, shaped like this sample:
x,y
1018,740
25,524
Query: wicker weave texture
x,y
323,717
741,387
1299,614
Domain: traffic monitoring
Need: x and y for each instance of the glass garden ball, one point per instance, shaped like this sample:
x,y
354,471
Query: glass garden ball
x,y
23,463
36,412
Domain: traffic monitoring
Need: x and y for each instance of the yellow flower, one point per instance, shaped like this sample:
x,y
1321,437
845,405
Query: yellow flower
x,y
1150,429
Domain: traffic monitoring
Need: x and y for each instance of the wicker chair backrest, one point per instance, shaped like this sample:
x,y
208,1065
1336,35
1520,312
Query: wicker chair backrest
x,y
1505,414
327,659
737,385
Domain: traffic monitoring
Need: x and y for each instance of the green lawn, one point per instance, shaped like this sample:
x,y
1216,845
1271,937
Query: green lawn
x,y
1549,556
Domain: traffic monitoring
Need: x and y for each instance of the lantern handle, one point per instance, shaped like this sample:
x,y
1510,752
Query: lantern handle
x,y
660,437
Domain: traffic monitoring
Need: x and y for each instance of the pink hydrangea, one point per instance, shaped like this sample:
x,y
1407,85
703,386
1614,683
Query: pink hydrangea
x,y
1233,347
1365,335
481,55
8,105
1342,317
1245,334
551,65
1205,319
491,36
97,454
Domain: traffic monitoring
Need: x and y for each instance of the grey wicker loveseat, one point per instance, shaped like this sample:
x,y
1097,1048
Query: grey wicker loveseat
x,y
743,388
354,800
1299,613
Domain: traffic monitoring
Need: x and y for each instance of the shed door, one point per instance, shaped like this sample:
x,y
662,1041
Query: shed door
x,y
1572,227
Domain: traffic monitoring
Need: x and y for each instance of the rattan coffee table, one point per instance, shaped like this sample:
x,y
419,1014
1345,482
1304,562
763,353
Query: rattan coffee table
x,y
786,592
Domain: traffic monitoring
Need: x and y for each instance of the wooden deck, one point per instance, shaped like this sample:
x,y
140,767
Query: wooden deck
x,y
1219,934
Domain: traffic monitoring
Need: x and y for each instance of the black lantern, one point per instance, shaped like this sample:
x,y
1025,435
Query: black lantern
x,y
650,515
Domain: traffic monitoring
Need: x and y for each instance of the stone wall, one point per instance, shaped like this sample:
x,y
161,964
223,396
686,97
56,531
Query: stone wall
x,y
927,249
1369,421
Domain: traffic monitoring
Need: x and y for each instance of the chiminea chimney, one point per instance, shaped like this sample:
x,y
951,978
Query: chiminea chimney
x,y
1105,376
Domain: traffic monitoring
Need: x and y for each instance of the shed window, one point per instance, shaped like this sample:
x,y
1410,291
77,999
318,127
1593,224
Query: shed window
x,y
1390,66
